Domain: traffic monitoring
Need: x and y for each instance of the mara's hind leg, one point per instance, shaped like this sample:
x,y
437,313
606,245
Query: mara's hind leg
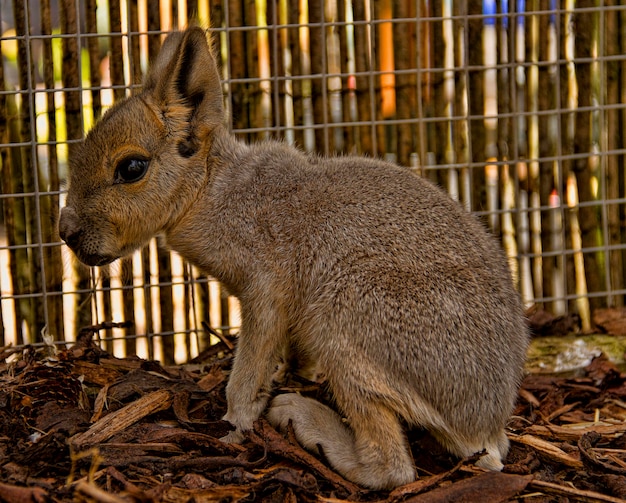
x,y
373,452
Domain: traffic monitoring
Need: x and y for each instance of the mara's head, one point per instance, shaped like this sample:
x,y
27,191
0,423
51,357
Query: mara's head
x,y
141,166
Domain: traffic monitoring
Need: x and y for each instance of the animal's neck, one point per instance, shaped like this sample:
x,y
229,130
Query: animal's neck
x,y
201,235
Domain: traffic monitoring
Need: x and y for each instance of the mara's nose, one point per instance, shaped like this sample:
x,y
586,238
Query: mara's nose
x,y
69,227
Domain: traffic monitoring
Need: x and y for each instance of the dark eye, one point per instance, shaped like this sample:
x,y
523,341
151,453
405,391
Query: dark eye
x,y
131,170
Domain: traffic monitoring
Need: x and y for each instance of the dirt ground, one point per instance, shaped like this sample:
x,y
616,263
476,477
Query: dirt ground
x,y
79,425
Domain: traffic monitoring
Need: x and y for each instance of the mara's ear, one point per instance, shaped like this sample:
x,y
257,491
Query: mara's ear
x,y
184,75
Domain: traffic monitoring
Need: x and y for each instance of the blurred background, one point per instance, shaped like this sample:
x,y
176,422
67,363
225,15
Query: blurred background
x,y
517,108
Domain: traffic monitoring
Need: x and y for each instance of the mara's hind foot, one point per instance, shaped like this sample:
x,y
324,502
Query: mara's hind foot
x,y
373,453
495,447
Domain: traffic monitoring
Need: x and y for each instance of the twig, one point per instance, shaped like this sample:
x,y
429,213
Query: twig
x,y
276,443
221,337
587,496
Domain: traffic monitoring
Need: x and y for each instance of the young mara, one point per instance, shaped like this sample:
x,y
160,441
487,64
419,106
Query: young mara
x,y
350,265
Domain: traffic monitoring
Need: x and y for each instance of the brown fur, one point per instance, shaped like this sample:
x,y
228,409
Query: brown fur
x,y
355,266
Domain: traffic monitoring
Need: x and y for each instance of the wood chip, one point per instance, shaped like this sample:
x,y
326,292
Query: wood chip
x,y
121,419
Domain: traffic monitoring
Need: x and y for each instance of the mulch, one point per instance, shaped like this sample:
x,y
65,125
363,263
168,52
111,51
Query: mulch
x,y
77,424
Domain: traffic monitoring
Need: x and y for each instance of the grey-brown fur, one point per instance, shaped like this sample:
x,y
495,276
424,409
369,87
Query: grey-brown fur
x,y
366,273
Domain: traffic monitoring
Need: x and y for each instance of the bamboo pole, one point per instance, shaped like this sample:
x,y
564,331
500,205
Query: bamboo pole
x,y
302,45
5,205
333,71
551,175
351,85
364,85
50,205
96,107
583,144
283,20
449,98
490,83
387,78
508,199
424,89
533,148
529,287
23,176
239,98
317,47
612,138
555,227
476,104
264,69
74,128
118,81
582,299
463,149
14,213
567,144
622,160
405,55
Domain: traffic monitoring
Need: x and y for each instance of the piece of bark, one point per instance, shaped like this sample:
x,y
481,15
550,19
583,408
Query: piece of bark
x,y
604,372
616,484
121,419
98,494
203,464
18,494
212,379
95,373
542,323
229,492
491,487
591,459
572,492
611,321
421,485
547,450
573,433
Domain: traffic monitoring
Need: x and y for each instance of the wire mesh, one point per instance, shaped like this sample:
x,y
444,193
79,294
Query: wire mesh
x,y
517,108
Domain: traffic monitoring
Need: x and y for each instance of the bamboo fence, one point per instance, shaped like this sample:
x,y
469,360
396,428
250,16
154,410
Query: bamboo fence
x,y
517,108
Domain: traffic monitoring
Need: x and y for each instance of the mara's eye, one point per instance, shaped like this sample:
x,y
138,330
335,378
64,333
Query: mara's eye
x,y
131,170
